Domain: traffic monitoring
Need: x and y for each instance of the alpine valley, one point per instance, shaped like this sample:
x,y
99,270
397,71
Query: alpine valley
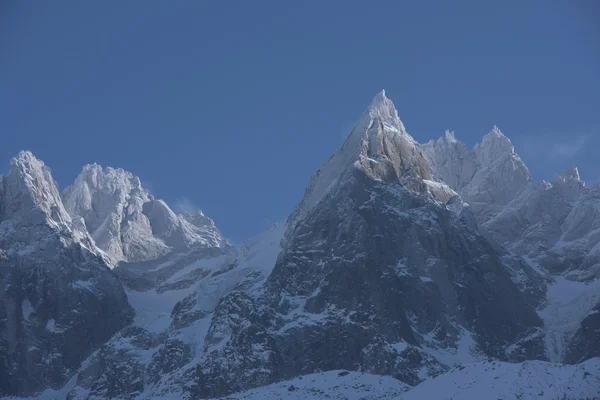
x,y
407,271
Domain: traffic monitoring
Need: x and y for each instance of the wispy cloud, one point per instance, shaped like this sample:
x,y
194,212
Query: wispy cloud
x,y
184,204
546,153
569,149
561,146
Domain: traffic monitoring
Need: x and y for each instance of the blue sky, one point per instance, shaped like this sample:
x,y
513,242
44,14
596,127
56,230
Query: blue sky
x,y
231,106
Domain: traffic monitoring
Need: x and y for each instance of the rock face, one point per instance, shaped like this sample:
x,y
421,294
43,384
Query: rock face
x,y
60,301
128,223
584,343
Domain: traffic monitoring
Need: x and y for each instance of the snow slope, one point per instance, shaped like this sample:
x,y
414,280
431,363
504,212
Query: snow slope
x,y
335,385
498,380
475,381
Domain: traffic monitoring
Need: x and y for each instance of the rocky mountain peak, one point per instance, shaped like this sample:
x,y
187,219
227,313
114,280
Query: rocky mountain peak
x,y
449,136
570,174
32,214
378,147
494,146
128,223
29,192
569,184
60,301
383,108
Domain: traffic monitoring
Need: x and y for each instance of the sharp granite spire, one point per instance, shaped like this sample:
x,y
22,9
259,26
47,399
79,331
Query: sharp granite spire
x,y
378,146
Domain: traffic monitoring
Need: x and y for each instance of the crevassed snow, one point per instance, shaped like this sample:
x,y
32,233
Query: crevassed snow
x,y
569,302
500,380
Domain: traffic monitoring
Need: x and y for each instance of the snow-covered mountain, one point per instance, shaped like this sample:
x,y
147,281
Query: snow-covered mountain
x,y
128,223
402,262
59,300
554,226
376,274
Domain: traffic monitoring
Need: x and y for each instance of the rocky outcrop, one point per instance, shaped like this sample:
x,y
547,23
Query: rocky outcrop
x,y
585,342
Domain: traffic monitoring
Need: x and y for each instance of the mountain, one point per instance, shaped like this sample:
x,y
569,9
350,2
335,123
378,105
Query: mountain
x,y
376,274
554,226
488,177
60,301
159,353
127,222
402,262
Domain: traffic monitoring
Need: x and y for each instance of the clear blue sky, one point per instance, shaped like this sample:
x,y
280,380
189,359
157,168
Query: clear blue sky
x,y
233,105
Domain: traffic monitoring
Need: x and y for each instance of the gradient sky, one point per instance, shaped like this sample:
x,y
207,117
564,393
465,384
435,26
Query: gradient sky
x,y
231,106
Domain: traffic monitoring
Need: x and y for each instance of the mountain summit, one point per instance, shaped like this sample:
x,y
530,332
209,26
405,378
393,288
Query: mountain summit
x,y
378,146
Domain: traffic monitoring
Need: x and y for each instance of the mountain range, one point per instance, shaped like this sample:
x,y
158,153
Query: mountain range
x,y
406,270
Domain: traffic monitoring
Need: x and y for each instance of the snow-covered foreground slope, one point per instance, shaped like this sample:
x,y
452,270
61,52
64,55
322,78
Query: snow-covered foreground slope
x,y
475,381
335,385
499,380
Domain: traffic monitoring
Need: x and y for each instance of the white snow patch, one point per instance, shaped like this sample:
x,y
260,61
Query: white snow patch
x,y
400,346
52,326
26,309
401,268
466,352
